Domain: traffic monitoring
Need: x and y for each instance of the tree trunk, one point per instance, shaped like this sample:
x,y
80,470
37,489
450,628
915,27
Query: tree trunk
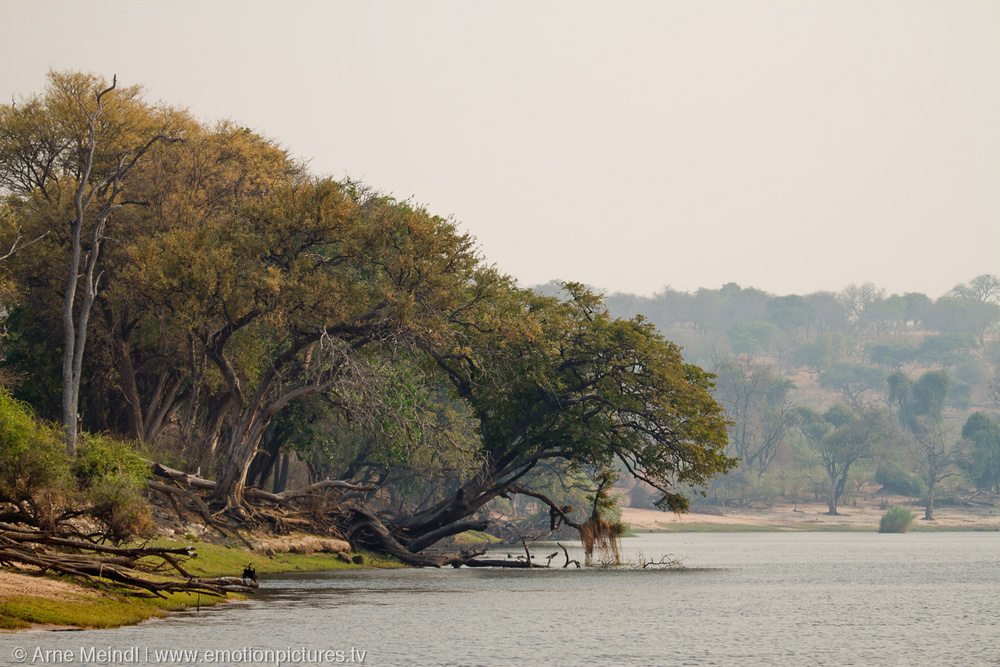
x,y
832,501
281,481
929,508
130,391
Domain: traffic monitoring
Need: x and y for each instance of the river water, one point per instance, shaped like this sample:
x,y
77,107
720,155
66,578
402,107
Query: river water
x,y
740,599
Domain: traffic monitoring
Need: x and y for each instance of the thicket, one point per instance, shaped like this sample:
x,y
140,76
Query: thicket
x,y
41,487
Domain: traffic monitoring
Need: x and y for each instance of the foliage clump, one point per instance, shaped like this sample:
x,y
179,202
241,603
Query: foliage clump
x,y
113,477
41,487
896,520
894,479
35,481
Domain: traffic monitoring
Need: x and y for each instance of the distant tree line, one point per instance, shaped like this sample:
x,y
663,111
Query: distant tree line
x,y
829,392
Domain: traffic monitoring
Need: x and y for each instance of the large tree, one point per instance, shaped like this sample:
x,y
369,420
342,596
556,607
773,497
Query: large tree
x,y
553,380
842,437
292,296
921,404
756,402
981,451
66,160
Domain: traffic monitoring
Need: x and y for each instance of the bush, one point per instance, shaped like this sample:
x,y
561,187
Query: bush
x,y
894,479
35,482
113,477
896,520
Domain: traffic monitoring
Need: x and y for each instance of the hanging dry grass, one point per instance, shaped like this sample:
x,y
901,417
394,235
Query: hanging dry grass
x,y
597,533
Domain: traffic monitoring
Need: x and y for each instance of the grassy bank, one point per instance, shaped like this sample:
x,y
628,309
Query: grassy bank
x,y
90,608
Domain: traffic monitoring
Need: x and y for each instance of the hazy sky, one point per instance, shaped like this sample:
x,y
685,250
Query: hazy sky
x,y
791,146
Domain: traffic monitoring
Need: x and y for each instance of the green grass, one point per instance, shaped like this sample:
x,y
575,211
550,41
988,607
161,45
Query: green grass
x,y
93,610
476,538
228,560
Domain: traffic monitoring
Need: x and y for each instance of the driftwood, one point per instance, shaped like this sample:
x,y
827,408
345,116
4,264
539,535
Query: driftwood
x,y
194,503
251,492
137,571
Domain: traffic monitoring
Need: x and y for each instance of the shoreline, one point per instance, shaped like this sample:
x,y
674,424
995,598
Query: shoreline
x,y
32,603
862,516
42,603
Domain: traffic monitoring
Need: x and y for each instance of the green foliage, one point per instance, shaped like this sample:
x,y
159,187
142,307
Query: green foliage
x,y
893,354
35,481
894,479
827,349
841,438
790,312
852,380
751,337
921,402
589,388
963,317
838,415
947,349
981,451
960,395
113,476
896,520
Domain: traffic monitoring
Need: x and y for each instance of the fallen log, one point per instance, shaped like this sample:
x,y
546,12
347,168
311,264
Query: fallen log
x,y
120,569
282,498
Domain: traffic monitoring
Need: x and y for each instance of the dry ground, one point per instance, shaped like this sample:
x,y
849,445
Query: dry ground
x,y
17,585
813,516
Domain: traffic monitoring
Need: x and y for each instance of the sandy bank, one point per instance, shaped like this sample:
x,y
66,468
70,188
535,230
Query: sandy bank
x,y
811,516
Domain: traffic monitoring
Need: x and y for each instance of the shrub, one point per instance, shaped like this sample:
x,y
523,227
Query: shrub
x,y
35,482
113,477
896,520
894,479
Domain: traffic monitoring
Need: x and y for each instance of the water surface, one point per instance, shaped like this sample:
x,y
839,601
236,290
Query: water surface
x,y
741,599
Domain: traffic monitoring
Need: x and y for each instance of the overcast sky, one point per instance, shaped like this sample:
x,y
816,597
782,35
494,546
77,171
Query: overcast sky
x,y
790,145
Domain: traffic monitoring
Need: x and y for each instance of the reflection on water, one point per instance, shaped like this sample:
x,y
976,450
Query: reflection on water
x,y
742,599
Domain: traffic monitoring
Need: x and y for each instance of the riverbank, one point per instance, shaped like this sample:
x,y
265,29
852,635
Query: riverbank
x,y
863,516
32,602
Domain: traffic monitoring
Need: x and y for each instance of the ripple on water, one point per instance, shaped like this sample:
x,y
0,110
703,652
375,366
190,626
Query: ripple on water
x,y
760,599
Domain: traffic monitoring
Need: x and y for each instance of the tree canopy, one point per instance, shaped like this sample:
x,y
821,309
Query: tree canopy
x,y
244,309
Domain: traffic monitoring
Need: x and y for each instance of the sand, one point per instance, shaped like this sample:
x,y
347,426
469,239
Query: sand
x,y
812,516
17,585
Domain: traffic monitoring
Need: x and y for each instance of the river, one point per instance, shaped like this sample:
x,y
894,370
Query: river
x,y
807,598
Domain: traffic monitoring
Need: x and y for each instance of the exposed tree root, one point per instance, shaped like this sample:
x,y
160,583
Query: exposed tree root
x,y
363,528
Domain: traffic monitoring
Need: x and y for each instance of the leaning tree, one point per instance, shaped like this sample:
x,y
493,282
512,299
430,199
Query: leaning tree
x,y
561,380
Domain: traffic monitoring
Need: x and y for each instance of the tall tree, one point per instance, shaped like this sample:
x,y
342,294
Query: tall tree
x,y
982,288
756,402
842,437
67,156
981,451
